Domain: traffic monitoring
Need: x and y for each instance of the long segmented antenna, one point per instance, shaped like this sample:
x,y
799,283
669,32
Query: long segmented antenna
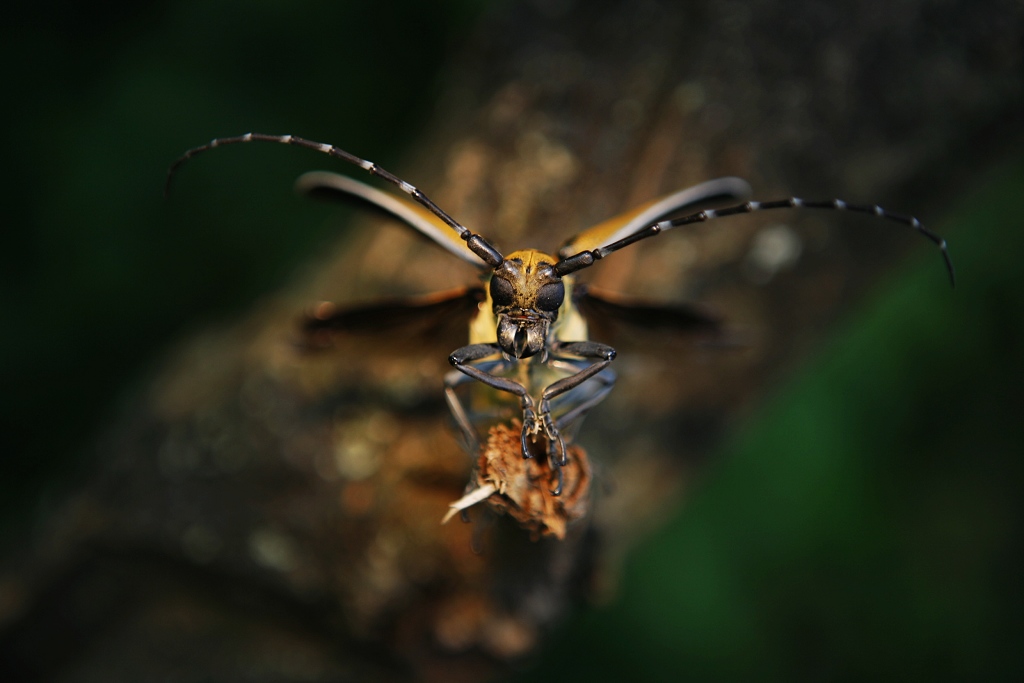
x,y
585,259
479,246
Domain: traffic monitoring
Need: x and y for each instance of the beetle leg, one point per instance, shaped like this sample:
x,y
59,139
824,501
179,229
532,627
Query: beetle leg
x,y
471,441
587,349
461,359
557,491
606,378
530,428
556,444
603,353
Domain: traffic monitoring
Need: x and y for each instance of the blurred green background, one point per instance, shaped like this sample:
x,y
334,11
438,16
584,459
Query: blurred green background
x,y
867,523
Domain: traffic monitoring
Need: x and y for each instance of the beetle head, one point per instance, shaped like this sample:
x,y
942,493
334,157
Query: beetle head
x,y
526,294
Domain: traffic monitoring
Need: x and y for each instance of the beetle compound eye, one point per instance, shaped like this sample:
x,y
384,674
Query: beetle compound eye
x,y
551,296
502,291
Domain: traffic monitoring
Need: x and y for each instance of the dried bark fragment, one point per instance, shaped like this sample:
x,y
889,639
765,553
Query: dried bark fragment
x,y
522,487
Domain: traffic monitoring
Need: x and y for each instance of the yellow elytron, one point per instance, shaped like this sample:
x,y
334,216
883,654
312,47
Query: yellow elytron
x,y
528,338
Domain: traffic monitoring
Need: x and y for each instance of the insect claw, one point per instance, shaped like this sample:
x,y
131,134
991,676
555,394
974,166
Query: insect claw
x,y
557,491
526,449
529,425
556,444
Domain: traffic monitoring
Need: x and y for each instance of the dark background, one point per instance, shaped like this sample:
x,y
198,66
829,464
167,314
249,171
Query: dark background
x,y
867,520
99,273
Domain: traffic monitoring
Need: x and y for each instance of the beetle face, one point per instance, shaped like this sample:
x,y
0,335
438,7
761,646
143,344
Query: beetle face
x,y
526,295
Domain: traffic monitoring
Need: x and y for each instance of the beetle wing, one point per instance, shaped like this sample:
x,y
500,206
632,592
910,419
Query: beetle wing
x,y
422,316
598,306
335,187
624,225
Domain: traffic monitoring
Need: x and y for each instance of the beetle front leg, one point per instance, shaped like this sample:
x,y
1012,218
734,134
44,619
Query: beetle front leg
x,y
471,442
461,359
556,444
604,355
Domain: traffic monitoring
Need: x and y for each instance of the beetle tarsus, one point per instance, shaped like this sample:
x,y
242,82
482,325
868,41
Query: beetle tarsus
x,y
557,491
529,429
556,444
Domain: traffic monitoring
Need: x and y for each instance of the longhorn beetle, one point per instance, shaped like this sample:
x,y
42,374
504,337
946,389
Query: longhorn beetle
x,y
528,329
